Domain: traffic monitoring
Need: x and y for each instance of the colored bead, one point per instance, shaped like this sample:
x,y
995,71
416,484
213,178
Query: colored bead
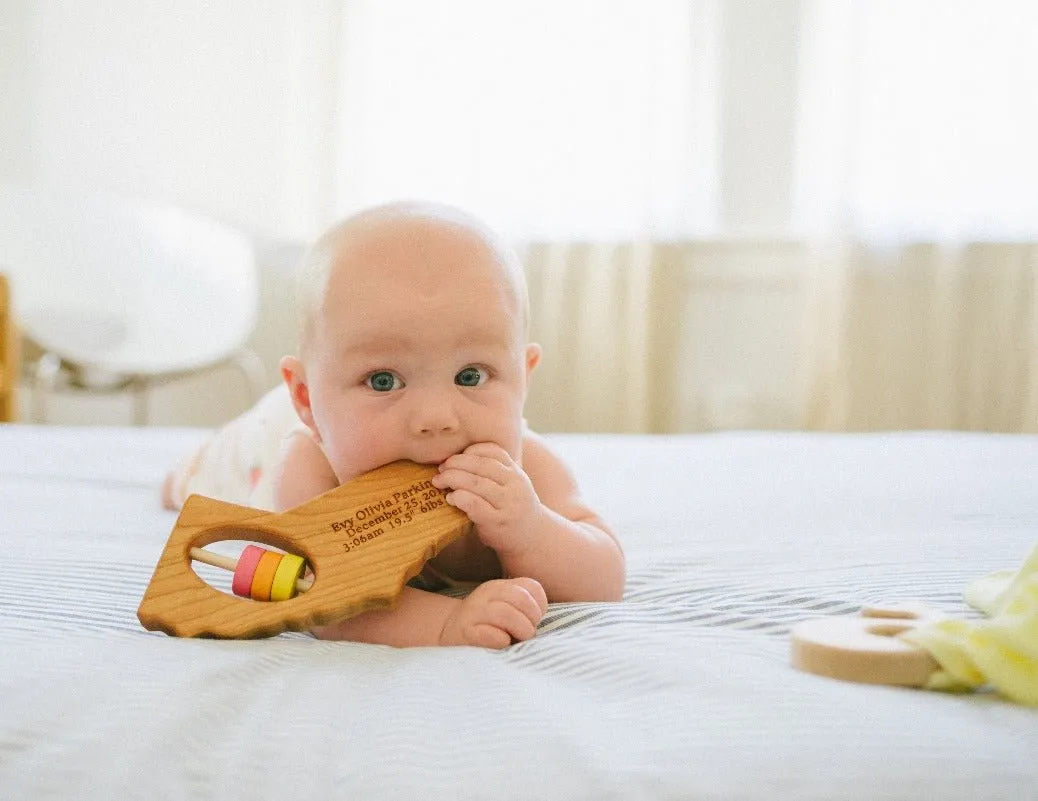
x,y
264,576
289,571
245,570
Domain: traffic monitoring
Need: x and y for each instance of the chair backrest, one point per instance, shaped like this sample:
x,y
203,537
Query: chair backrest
x,y
9,361
122,286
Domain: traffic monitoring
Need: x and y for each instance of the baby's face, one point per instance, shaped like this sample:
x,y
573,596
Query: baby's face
x,y
420,351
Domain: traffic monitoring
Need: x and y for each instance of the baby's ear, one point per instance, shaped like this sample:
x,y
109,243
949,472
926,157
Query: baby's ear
x,y
294,375
533,357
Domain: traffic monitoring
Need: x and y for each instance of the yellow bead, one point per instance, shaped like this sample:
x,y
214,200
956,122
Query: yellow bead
x,y
288,573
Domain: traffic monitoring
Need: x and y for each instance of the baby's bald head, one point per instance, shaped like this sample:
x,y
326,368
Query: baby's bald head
x,y
402,237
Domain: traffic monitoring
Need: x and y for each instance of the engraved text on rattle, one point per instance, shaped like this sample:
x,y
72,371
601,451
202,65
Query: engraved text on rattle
x,y
397,510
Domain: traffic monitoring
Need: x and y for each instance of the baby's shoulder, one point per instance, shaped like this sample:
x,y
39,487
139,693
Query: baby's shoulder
x,y
299,443
540,457
302,472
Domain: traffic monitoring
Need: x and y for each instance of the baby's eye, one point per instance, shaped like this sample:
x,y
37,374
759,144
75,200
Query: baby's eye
x,y
471,377
384,381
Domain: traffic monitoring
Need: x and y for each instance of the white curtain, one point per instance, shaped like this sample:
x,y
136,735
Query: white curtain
x,y
918,184
553,120
919,119
923,336
623,139
608,320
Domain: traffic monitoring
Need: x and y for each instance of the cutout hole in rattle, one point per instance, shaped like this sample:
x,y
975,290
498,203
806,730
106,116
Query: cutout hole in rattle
x,y
251,570
888,629
890,613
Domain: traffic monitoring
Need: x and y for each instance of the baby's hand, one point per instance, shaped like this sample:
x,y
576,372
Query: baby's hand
x,y
496,614
485,482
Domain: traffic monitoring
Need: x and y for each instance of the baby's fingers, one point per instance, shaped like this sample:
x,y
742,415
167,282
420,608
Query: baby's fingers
x,y
536,592
485,635
510,618
514,608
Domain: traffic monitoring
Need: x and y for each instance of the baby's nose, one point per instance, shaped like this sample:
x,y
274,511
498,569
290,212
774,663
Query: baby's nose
x,y
435,414
438,427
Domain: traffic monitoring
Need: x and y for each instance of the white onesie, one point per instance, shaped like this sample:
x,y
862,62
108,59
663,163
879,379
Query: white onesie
x,y
235,464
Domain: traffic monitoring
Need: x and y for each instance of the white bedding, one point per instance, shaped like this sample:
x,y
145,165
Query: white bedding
x,y
682,691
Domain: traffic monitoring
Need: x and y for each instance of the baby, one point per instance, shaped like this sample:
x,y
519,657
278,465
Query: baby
x,y
413,345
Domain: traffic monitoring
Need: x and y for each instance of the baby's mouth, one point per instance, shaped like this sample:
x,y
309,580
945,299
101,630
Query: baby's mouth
x,y
437,461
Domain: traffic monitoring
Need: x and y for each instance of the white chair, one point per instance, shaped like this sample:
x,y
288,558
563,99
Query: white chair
x,y
118,295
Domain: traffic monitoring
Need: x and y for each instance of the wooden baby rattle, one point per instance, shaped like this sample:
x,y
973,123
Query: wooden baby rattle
x,y
865,648
363,541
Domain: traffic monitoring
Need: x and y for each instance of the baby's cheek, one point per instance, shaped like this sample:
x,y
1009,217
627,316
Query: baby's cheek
x,y
498,419
510,437
370,448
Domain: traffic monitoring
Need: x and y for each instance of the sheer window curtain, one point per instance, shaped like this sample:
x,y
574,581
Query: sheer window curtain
x,y
734,213
918,189
554,120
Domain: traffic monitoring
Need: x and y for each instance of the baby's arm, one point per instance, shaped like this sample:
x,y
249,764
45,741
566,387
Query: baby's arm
x,y
535,520
493,615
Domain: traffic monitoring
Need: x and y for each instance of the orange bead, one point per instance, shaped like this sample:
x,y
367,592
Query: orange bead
x,y
263,579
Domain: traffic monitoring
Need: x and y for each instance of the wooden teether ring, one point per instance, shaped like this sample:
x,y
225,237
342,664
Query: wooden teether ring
x,y
865,648
363,541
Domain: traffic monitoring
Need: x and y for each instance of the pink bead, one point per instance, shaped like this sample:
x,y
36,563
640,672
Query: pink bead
x,y
246,569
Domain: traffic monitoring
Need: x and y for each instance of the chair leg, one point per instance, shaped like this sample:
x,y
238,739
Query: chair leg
x,y
44,380
139,390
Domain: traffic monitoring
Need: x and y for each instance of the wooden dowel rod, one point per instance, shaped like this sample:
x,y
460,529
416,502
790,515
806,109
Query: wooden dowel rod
x,y
214,559
227,563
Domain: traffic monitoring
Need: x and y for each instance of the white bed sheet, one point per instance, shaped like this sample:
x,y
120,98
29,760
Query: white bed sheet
x,y
682,691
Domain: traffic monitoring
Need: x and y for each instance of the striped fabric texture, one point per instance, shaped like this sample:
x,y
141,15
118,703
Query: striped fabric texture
x,y
683,690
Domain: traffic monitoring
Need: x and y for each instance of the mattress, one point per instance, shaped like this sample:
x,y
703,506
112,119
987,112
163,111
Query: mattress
x,y
683,690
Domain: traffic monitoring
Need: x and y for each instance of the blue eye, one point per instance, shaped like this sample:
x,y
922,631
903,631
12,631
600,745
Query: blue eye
x,y
471,377
383,381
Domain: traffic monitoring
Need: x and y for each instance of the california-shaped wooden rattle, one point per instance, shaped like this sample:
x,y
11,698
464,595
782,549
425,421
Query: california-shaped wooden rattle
x,y
866,648
363,541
